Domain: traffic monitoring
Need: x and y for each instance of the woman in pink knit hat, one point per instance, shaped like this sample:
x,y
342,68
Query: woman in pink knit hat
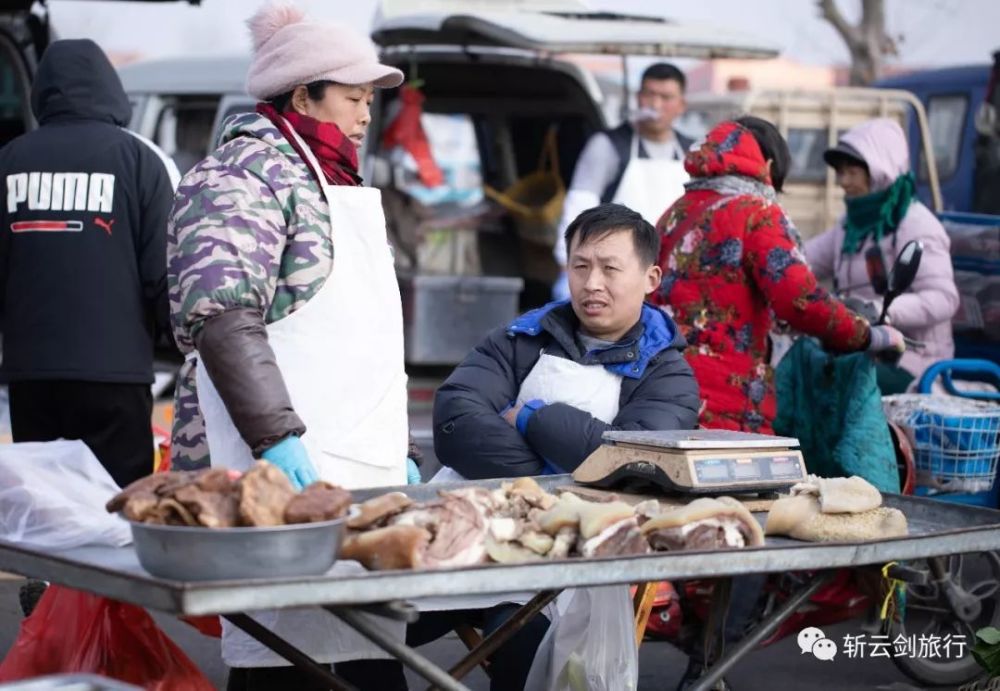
x,y
293,357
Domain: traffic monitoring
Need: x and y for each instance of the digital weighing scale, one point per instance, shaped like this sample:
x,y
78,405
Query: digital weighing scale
x,y
695,462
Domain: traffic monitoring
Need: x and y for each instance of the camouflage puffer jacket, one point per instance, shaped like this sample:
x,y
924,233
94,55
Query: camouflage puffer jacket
x,y
249,229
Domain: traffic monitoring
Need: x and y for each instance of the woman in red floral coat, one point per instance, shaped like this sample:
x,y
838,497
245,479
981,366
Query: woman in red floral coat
x,y
732,264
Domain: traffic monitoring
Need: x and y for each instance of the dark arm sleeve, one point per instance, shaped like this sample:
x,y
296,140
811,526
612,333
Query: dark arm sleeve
x,y
666,398
233,349
470,436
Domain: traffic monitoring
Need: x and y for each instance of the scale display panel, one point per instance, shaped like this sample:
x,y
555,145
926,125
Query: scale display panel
x,y
711,471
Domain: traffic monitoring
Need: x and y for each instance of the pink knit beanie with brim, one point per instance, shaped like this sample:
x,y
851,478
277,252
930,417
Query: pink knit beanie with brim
x,y
288,51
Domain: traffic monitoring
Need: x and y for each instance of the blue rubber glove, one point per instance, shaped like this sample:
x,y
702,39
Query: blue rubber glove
x,y
412,472
290,456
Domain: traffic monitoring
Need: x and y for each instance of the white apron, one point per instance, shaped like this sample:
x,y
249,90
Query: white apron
x,y
341,357
650,185
591,388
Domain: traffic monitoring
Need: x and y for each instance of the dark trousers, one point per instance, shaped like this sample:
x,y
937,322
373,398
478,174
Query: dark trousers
x,y
366,675
510,664
744,600
114,420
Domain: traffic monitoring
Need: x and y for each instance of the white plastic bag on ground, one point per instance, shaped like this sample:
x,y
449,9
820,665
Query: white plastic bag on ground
x,y
52,496
590,645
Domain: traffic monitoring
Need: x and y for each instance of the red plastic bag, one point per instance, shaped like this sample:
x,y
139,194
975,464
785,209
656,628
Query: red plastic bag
x,y
406,131
207,625
71,631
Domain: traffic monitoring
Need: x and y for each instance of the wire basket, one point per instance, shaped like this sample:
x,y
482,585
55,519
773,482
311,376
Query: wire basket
x,y
956,442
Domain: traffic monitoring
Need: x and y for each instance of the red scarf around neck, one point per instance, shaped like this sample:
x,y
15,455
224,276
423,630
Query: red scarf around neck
x,y
337,155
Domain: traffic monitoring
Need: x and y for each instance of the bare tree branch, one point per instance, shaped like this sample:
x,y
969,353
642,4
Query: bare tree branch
x,y
830,12
873,14
867,41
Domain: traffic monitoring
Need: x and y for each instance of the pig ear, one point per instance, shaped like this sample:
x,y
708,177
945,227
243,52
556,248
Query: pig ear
x,y
270,19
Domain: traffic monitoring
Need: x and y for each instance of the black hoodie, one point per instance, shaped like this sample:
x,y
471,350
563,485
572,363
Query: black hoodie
x,y
83,221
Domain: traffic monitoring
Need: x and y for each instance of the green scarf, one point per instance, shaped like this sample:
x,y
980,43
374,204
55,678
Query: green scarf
x,y
877,214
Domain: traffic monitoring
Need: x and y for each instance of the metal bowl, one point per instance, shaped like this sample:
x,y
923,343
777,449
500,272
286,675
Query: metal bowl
x,y
188,553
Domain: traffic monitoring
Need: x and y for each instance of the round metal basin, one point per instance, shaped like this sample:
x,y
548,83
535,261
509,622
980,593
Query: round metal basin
x,y
187,553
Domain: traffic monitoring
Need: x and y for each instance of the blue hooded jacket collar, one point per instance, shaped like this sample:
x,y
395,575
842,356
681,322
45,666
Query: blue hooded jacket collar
x,y
658,333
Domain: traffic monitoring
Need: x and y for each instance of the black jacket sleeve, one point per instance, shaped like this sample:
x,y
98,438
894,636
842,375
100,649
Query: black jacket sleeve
x,y
470,435
156,194
666,398
233,349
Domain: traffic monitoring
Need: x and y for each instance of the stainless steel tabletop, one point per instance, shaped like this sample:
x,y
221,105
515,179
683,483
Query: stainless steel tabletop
x,y
936,528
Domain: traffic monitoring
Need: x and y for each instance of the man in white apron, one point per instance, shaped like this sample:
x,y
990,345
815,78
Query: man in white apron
x,y
639,164
284,291
536,395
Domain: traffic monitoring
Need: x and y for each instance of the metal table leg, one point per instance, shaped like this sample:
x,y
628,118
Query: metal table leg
x,y
402,652
397,610
503,634
288,651
765,629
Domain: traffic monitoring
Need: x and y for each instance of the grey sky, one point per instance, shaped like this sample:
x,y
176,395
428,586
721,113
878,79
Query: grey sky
x,y
935,32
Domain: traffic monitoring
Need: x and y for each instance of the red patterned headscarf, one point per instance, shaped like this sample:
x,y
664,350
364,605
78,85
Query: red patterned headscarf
x,y
729,149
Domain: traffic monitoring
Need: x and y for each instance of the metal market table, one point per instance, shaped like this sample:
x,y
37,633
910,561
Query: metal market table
x,y
936,529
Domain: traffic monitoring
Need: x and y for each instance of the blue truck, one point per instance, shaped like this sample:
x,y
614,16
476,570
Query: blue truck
x,y
954,100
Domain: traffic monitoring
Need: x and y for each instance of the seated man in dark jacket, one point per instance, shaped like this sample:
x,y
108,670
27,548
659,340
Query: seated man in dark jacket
x,y
536,395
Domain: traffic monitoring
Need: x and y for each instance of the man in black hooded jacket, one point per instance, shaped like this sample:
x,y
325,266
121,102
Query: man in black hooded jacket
x,y
83,295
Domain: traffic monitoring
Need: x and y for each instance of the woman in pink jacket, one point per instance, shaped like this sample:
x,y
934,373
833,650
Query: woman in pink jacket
x,y
873,168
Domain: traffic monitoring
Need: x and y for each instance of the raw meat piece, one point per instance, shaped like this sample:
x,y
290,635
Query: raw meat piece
x,y
594,517
378,509
265,492
218,509
732,523
508,552
174,513
617,539
139,506
458,523
393,547
218,480
146,485
320,501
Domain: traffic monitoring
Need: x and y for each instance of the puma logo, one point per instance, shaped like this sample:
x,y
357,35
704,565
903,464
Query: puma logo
x,y
104,224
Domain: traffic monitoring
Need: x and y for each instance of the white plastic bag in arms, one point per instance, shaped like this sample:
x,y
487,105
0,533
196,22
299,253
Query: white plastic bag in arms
x,y
590,645
52,496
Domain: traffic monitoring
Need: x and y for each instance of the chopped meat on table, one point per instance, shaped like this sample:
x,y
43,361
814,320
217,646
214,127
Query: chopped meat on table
x,y
393,547
265,492
377,510
320,501
458,523
212,509
175,480
620,538
174,513
143,486
705,523
225,498
139,506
